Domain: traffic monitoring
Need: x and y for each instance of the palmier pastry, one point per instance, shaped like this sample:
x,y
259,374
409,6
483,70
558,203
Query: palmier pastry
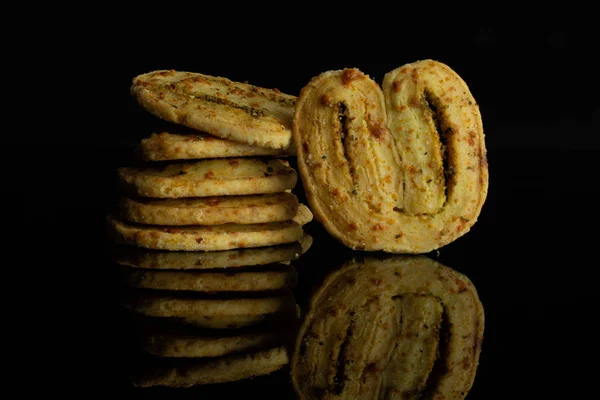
x,y
400,168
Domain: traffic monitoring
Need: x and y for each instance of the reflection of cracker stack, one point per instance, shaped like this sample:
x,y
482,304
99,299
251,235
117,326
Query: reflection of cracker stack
x,y
213,321
207,226
187,260
198,371
177,355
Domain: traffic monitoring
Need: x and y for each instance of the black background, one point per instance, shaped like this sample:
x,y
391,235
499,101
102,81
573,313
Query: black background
x,y
531,255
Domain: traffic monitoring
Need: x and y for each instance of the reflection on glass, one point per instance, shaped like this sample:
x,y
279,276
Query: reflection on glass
x,y
399,327
210,317
198,260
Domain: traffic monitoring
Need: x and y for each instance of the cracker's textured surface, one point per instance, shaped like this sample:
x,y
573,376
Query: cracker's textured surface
x,y
218,177
402,169
399,327
189,145
240,281
221,107
173,343
251,209
203,238
199,260
155,303
180,373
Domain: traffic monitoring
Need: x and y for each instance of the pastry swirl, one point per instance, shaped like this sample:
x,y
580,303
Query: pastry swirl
x,y
402,327
400,168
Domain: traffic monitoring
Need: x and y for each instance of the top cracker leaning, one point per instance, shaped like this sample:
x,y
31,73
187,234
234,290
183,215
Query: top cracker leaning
x,y
218,106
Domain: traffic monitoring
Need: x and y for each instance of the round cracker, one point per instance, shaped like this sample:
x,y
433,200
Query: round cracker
x,y
203,238
218,177
252,209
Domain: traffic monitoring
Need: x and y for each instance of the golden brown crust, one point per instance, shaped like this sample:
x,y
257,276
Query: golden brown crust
x,y
218,177
401,169
251,209
403,326
218,106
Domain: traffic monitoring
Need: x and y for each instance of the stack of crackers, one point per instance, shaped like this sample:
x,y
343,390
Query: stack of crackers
x,y
207,227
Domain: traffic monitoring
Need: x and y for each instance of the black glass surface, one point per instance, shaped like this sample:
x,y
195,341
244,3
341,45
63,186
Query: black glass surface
x,y
531,255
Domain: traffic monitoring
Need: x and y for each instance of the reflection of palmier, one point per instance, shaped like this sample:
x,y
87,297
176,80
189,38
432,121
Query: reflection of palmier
x,y
403,326
402,169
